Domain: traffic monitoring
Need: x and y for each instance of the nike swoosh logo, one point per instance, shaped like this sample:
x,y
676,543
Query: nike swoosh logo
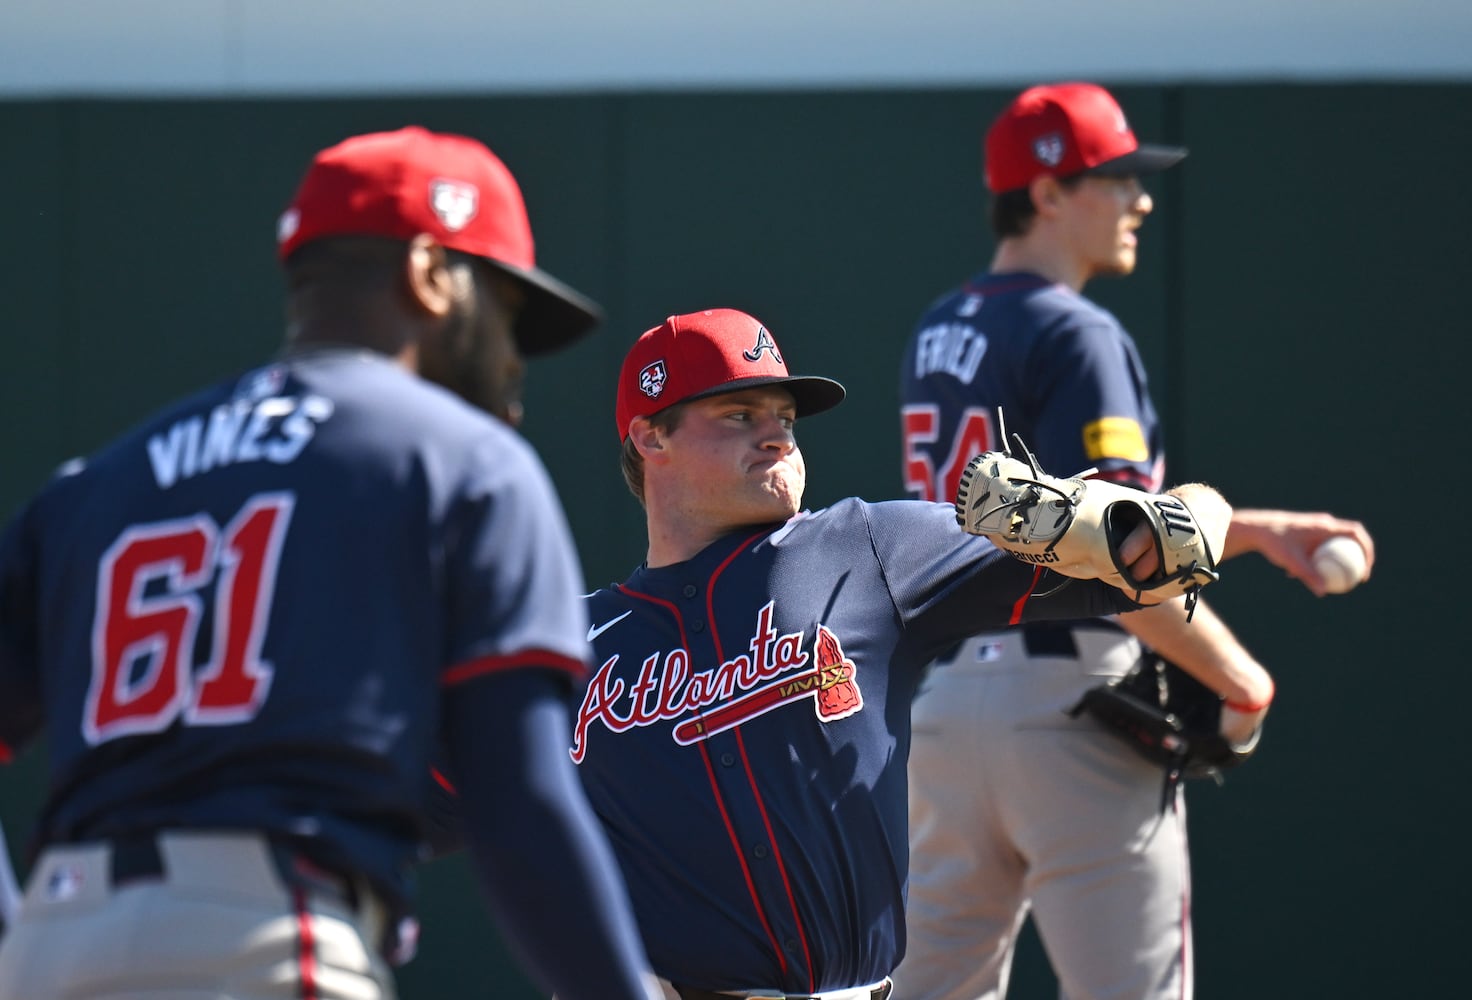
x,y
597,630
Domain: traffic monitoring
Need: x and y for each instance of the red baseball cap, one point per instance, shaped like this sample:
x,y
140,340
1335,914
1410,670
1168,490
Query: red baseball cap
x,y
1062,129
704,354
400,184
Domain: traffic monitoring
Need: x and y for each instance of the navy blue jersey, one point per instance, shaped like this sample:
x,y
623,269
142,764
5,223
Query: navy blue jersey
x,y
1067,376
245,613
745,733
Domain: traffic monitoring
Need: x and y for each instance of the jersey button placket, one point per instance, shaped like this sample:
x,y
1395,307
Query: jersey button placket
x,y
690,592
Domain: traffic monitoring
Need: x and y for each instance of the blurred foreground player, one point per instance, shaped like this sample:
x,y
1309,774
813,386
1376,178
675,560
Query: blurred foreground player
x,y
245,625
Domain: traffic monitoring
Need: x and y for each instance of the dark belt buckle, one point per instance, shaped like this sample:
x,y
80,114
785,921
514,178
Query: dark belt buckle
x,y
132,859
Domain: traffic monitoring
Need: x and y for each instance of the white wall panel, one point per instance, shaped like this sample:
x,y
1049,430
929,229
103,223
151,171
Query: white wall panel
x,y
212,47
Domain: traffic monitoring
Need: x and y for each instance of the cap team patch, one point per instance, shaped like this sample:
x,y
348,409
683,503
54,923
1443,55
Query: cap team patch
x,y
1048,149
652,379
764,342
1115,437
453,202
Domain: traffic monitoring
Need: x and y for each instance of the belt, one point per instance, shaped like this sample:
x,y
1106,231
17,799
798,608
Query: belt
x,y
1057,638
137,856
879,992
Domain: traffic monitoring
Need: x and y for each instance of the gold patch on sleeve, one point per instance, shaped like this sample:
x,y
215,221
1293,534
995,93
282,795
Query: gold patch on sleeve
x,y
1115,437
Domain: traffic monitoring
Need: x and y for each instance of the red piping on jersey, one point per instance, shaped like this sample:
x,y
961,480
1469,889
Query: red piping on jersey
x,y
802,934
471,669
761,914
1133,477
443,782
1018,283
668,606
1125,477
710,615
5,755
710,773
306,945
1016,619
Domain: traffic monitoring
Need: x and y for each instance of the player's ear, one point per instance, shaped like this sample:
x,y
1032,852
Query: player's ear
x,y
1046,194
647,439
427,275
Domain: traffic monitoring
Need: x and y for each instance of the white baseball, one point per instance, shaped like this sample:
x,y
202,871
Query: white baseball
x,y
1341,562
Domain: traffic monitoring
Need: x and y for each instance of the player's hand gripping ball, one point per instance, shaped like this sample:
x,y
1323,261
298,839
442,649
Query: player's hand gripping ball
x,y
1341,562
1076,527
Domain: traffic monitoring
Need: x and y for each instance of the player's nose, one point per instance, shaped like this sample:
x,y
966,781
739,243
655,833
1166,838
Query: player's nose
x,y
776,432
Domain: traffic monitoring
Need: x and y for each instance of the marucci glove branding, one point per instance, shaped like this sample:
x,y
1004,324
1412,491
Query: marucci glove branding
x,y
1075,526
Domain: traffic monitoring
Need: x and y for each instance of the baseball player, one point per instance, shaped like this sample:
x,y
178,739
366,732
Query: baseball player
x,y
244,625
744,733
1015,805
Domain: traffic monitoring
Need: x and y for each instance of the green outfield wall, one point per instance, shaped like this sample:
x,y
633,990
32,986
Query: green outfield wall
x,y
1296,304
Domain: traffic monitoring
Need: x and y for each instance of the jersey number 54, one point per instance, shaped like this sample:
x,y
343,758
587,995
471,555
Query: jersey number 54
x,y
920,431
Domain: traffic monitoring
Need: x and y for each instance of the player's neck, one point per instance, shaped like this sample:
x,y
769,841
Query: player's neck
x,y
676,538
1039,255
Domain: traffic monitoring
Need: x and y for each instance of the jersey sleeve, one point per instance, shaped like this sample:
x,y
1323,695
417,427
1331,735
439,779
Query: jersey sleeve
x,y
20,695
512,573
947,585
534,838
1092,410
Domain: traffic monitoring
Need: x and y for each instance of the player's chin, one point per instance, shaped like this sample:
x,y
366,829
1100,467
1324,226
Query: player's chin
x,y
782,490
1119,265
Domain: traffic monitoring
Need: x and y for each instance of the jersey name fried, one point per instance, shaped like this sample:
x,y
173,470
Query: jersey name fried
x,y
273,429
668,688
953,348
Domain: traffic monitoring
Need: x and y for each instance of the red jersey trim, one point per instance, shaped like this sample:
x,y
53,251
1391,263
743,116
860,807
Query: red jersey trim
x,y
6,756
740,852
751,779
460,673
306,954
1016,619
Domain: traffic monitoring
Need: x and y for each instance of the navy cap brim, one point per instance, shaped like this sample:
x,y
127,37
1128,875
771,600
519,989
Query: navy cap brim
x,y
554,316
1144,160
812,393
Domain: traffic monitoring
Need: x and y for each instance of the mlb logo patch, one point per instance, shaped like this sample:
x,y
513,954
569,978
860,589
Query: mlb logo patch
x,y
652,379
64,883
1048,149
263,382
988,652
454,202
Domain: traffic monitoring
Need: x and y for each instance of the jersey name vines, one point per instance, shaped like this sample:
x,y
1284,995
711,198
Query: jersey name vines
x,y
274,429
776,672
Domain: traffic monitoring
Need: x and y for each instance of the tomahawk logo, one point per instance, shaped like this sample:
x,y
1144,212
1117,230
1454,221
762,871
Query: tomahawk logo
x,y
454,202
764,342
